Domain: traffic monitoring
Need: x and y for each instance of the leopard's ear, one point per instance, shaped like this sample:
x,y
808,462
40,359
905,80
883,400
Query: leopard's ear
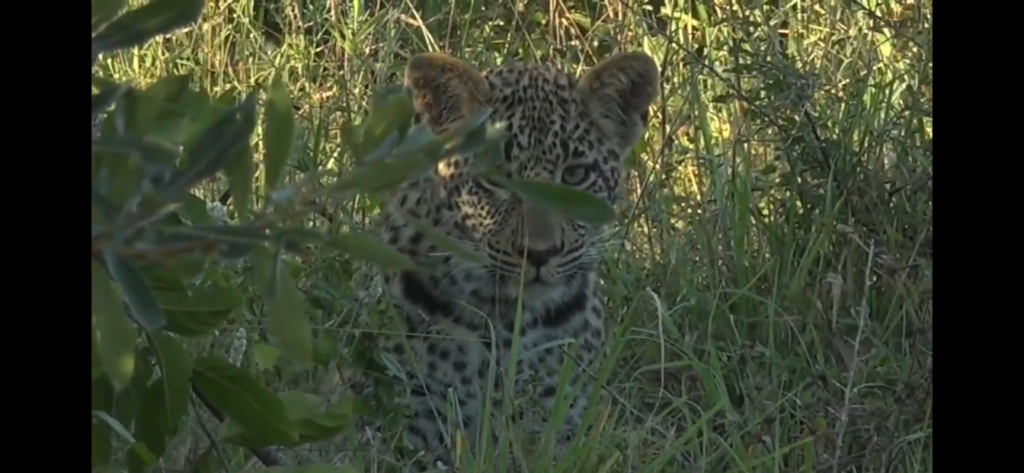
x,y
619,90
444,89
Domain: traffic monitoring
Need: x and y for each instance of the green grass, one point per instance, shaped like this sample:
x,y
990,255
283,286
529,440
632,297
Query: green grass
x,y
772,305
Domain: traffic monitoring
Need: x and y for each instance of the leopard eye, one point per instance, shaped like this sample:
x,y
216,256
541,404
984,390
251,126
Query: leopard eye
x,y
575,175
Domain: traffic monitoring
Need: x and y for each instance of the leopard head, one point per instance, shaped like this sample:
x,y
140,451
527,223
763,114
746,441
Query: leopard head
x,y
558,128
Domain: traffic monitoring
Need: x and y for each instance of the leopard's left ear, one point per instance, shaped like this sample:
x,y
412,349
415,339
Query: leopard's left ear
x,y
619,90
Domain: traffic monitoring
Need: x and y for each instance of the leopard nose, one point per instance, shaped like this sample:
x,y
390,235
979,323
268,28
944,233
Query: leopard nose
x,y
540,257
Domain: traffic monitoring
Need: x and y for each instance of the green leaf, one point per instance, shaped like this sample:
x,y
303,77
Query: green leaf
x,y
97,365
195,323
117,427
306,410
104,211
239,170
100,83
184,265
632,159
440,239
244,400
575,204
146,212
390,116
119,180
244,233
136,290
300,405
263,267
113,332
297,241
213,149
162,100
187,245
367,248
299,236
138,26
351,139
174,382
470,140
202,299
285,308
102,443
317,426
201,114
278,134
264,356
103,11
233,251
417,154
486,144
382,174
456,135
159,278
207,461
153,152
106,97
419,140
124,113
150,428
127,401
193,209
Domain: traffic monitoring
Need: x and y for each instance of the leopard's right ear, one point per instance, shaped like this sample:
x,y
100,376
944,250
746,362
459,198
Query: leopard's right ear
x,y
444,89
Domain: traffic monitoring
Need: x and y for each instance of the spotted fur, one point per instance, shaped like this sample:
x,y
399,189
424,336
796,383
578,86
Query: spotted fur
x,y
460,315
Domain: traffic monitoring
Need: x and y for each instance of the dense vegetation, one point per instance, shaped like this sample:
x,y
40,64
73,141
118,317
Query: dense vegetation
x,y
771,296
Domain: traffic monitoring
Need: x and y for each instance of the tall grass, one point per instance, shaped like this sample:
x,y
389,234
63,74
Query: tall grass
x,y
771,309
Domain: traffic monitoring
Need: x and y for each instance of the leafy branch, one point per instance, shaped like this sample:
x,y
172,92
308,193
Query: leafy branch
x,y
153,236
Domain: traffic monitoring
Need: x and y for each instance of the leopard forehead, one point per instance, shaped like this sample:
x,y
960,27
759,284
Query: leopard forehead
x,y
547,122
557,125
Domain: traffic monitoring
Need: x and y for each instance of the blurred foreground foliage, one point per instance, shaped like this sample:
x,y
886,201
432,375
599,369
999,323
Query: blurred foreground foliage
x,y
165,265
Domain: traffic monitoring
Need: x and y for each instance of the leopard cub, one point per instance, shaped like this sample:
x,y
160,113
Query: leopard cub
x,y
460,316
